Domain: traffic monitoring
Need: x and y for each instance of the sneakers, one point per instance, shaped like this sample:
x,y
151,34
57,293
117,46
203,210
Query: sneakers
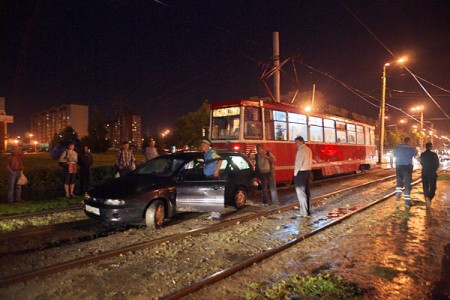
x,y
408,203
398,195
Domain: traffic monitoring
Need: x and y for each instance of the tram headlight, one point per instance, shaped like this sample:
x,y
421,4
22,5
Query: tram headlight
x,y
114,202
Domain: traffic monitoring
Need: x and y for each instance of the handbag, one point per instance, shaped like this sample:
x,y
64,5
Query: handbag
x,y
23,180
72,168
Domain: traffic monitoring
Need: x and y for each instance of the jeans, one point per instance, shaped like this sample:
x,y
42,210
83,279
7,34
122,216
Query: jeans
x,y
13,188
268,182
301,181
404,179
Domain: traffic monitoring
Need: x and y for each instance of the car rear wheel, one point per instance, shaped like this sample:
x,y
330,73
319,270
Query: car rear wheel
x,y
155,215
240,198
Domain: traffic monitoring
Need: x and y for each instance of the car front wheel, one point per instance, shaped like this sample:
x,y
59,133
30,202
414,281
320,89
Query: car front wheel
x,y
240,198
155,215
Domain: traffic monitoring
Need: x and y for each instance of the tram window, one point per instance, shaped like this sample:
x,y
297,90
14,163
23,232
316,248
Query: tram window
x,y
340,132
316,134
252,123
351,133
297,126
371,136
276,125
329,130
315,121
359,135
296,130
225,123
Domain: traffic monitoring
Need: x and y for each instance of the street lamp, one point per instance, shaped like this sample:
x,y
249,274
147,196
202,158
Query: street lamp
x,y
35,145
419,109
383,107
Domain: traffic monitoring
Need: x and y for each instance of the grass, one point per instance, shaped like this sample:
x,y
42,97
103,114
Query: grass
x,y
324,285
38,206
39,221
384,272
42,160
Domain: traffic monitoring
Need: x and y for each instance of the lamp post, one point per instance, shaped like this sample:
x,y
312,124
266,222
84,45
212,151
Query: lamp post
x,y
419,109
35,145
383,108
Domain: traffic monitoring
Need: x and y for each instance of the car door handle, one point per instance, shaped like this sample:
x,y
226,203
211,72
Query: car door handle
x,y
216,187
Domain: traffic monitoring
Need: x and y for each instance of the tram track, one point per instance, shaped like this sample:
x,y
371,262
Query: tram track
x,y
35,231
258,258
10,280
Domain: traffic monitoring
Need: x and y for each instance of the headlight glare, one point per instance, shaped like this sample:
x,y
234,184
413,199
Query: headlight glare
x,y
114,202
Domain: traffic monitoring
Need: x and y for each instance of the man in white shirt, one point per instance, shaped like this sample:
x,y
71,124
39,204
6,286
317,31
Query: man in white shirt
x,y
302,172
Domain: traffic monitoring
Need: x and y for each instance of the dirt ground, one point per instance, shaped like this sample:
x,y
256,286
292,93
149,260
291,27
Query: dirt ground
x,y
389,251
393,254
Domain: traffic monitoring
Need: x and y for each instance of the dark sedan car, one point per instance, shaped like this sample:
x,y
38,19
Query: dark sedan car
x,y
172,183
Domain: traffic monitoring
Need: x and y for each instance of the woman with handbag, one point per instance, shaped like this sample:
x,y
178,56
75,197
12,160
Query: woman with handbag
x,y
68,160
14,165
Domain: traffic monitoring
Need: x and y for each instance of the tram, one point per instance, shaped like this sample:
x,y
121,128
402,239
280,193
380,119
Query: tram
x,y
338,145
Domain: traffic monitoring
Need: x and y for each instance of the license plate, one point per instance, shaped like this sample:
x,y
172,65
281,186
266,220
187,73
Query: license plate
x,y
91,209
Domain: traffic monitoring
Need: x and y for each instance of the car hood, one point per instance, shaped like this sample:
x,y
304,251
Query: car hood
x,y
129,186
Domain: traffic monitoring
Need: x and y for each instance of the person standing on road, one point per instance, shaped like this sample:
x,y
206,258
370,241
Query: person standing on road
x,y
85,162
212,164
151,151
68,160
14,165
302,173
265,171
430,164
212,167
125,161
404,154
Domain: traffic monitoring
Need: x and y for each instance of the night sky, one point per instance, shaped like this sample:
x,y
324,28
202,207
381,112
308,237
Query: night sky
x,y
165,58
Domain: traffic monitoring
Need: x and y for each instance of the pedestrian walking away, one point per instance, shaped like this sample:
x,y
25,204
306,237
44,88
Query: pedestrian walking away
x,y
68,160
302,173
430,164
265,171
85,162
125,161
404,154
15,166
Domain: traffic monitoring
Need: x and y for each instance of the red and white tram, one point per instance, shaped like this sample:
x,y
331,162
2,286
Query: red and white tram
x,y
339,145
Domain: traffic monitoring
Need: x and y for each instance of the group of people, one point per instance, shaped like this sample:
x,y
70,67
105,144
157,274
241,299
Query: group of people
x,y
70,160
404,154
265,171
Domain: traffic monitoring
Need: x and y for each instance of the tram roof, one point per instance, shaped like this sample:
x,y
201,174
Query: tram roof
x,y
355,118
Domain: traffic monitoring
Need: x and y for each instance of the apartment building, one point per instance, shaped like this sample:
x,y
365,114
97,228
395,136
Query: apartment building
x,y
45,124
126,127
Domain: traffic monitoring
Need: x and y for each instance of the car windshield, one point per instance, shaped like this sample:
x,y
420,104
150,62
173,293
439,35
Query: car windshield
x,y
162,166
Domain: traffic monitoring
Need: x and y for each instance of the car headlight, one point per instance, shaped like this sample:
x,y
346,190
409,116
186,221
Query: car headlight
x,y
114,202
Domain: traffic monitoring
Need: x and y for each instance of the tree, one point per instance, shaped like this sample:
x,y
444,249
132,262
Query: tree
x,y
189,128
96,138
68,134
60,140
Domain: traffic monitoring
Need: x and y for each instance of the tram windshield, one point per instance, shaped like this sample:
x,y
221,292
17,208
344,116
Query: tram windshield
x,y
226,123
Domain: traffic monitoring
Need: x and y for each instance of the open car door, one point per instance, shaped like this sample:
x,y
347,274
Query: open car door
x,y
197,193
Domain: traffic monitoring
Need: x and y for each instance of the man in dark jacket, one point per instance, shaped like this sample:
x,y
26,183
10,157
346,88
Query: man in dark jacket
x,y
85,162
430,163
